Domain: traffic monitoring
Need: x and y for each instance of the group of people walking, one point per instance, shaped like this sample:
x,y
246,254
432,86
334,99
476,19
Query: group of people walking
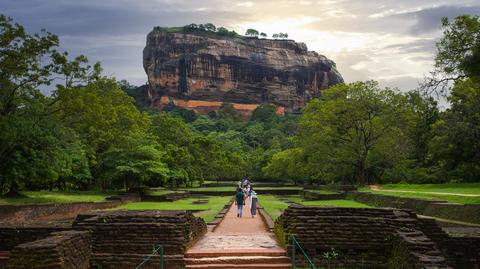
x,y
245,191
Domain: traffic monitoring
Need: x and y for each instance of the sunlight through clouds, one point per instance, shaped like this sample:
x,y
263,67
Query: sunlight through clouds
x,y
388,40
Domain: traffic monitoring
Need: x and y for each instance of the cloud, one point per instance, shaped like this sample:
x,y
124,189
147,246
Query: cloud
x,y
428,20
388,40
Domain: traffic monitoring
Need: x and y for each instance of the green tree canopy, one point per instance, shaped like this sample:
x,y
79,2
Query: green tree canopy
x,y
355,132
458,52
252,32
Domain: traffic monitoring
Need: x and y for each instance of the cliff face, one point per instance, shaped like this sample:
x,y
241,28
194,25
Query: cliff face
x,y
200,72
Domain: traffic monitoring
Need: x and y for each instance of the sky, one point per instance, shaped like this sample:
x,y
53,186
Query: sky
x,y
392,41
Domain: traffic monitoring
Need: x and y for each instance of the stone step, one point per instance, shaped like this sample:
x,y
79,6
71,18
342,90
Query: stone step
x,y
239,260
238,252
240,266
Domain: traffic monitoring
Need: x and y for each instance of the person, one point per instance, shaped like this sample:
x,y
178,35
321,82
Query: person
x,y
245,183
240,202
253,203
239,184
248,189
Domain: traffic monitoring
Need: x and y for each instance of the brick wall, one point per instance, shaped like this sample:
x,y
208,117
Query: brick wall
x,y
441,209
60,250
12,236
121,239
460,251
39,212
363,238
310,195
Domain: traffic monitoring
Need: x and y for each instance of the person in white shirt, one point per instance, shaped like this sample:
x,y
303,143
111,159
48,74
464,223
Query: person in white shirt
x,y
253,203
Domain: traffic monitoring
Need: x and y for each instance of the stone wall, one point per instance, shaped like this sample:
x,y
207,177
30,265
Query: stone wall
x,y
12,236
259,191
362,238
40,212
339,188
169,197
62,250
311,195
441,209
460,251
122,239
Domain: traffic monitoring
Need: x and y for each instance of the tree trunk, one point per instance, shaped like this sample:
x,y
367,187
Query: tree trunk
x,y
13,191
360,174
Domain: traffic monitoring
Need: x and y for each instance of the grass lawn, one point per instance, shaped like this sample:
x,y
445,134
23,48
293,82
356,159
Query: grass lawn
x,y
459,188
158,192
337,203
209,210
44,197
233,188
275,205
448,192
323,191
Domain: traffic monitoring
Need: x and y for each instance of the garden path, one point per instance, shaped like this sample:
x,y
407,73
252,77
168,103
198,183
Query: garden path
x,y
238,243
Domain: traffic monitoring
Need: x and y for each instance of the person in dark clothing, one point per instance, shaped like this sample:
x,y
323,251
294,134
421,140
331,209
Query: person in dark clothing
x,y
240,202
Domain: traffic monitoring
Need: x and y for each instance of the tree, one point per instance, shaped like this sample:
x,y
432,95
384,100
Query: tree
x,y
262,34
458,53
180,145
252,32
190,27
266,114
426,113
287,164
137,160
355,132
25,63
36,151
210,27
204,124
35,148
275,36
222,31
102,114
456,146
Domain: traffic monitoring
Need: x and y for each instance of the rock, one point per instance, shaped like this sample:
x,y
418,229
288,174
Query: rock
x,y
201,71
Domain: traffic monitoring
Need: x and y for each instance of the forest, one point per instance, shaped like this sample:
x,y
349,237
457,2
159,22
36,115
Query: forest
x,y
65,125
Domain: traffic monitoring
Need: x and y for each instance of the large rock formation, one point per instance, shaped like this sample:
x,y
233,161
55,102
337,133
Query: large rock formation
x,y
201,71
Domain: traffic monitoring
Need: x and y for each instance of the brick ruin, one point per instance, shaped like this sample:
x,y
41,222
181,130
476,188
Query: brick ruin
x,y
106,239
435,208
122,239
363,238
67,249
44,212
373,238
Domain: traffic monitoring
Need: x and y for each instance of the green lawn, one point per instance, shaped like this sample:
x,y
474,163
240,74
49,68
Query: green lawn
x,y
209,210
460,188
447,192
323,191
44,197
275,205
337,203
161,192
233,187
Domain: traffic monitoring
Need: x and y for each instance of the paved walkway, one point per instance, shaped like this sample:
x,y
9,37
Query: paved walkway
x,y
235,233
